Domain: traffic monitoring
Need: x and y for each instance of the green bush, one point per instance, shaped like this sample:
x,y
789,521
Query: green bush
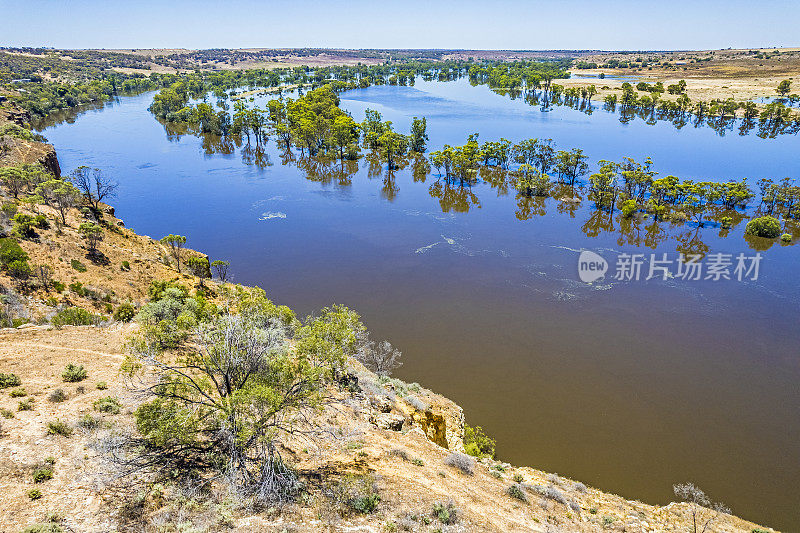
x,y
25,405
767,226
77,288
57,396
124,313
102,385
6,413
58,286
786,237
126,266
477,443
87,421
40,221
18,393
19,269
446,513
74,373
366,503
34,494
77,265
50,527
40,475
516,491
57,427
23,225
74,316
11,251
9,380
107,405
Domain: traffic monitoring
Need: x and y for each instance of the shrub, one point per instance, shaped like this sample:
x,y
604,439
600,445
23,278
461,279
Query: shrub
x,y
580,487
74,373
477,443
50,527
126,266
124,313
519,478
57,396
366,503
24,224
446,513
74,316
786,237
77,288
18,393
87,421
554,494
58,286
77,265
107,405
9,380
516,491
19,269
101,385
399,452
34,494
50,460
57,427
25,405
6,413
417,462
463,462
767,226
40,475
11,251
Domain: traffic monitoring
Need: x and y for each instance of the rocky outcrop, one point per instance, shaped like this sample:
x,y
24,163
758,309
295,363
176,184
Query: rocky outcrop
x,y
440,419
15,151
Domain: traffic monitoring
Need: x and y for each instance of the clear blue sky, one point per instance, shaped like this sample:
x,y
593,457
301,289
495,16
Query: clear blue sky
x,y
500,24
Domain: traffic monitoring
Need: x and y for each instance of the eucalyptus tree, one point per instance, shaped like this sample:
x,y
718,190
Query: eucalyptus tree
x,y
94,185
571,165
419,135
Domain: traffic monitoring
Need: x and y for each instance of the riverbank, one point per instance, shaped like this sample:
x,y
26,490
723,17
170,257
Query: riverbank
x,y
384,434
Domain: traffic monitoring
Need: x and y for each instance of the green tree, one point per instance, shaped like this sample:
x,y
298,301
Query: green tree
x,y
92,233
784,87
571,165
221,269
175,244
419,135
199,266
344,132
15,179
63,195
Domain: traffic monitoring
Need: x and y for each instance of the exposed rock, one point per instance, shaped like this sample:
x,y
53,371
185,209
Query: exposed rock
x,y
381,403
442,421
20,151
391,421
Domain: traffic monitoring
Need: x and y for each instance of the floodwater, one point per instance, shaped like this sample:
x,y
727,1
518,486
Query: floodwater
x,y
628,385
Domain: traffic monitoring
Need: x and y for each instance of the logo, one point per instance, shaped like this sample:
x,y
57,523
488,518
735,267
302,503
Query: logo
x,y
591,266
